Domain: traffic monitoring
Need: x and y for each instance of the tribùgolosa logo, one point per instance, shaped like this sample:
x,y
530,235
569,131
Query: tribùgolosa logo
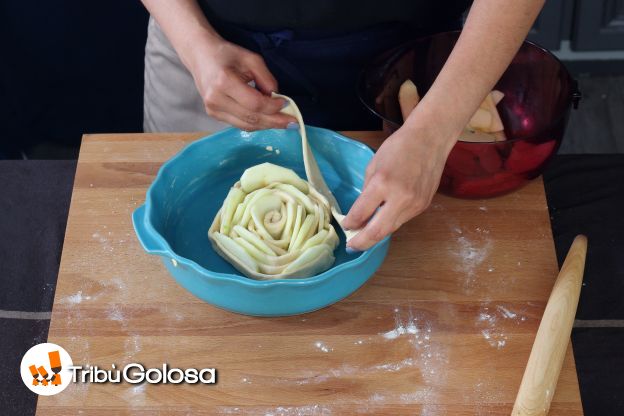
x,y
45,369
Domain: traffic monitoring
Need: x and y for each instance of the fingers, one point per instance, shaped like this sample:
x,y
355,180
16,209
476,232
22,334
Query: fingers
x,y
394,206
260,73
248,106
257,120
395,212
249,97
370,170
364,207
233,120
381,225
223,81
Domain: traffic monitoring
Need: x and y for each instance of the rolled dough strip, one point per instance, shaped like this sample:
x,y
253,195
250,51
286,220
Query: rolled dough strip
x,y
313,173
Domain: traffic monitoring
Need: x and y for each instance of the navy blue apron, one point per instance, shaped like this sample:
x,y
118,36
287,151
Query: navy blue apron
x,y
319,68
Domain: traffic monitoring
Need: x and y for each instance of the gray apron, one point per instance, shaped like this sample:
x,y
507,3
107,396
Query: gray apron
x,y
171,102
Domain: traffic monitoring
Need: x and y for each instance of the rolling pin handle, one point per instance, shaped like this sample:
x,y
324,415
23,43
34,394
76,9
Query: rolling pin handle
x,y
553,336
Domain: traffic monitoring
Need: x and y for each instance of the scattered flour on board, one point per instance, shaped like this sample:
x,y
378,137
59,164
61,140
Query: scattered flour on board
x,y
115,282
377,398
401,329
106,244
491,319
322,346
98,237
132,346
114,313
80,296
506,312
76,298
139,389
224,410
429,357
414,334
135,395
394,367
178,316
305,410
470,254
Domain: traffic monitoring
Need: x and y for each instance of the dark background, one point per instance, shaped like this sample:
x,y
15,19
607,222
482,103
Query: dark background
x,y
69,67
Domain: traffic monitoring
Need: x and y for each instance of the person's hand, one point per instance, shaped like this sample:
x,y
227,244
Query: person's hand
x,y
401,180
222,72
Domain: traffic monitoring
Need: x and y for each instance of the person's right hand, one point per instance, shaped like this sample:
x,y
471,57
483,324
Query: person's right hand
x,y
222,72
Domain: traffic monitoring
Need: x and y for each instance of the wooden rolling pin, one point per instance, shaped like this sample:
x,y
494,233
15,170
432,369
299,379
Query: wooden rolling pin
x,y
542,371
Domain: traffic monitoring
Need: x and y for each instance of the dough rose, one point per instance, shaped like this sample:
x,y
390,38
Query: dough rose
x,y
274,225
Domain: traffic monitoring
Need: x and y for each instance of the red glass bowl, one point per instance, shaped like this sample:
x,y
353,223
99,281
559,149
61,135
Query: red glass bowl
x,y
539,92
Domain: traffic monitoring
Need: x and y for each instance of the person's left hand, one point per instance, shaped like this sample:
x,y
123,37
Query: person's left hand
x,y
401,180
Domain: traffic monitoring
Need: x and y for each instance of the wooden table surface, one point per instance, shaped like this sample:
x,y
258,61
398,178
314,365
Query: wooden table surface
x,y
444,327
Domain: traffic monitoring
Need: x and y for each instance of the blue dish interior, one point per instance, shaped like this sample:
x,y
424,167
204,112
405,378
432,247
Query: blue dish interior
x,y
192,186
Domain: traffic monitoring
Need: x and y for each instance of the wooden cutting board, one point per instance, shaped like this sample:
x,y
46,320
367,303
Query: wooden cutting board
x,y
444,327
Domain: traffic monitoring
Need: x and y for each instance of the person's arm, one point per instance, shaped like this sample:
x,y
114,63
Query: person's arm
x,y
405,172
221,70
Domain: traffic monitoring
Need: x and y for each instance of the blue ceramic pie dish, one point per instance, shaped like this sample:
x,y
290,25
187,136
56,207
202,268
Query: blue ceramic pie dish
x,y
190,188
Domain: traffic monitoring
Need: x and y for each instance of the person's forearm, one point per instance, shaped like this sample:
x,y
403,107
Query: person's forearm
x,y
493,32
222,71
184,24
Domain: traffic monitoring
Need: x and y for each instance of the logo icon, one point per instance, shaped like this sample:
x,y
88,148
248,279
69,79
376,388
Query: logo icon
x,y
45,369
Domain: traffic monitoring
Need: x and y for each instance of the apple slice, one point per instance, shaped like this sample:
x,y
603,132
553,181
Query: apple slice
x,y
408,98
